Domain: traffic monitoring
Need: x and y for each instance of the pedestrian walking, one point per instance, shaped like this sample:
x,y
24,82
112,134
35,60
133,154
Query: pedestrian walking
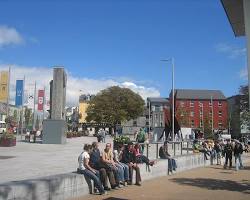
x,y
228,153
238,150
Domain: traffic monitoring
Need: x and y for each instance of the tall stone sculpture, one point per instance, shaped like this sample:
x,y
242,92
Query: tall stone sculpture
x,y
54,129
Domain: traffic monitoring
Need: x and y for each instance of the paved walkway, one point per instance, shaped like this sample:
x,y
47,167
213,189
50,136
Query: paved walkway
x,y
199,184
34,160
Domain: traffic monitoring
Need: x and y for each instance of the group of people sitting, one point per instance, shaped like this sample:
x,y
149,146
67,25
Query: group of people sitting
x,y
218,149
114,166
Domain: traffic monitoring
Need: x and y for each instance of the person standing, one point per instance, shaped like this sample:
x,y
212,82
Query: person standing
x,y
228,152
238,150
218,149
141,138
85,169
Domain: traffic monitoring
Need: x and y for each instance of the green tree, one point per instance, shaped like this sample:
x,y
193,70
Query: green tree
x,y
27,116
208,134
244,106
115,105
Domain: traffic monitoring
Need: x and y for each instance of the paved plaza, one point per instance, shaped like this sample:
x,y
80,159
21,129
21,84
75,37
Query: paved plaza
x,y
34,160
207,183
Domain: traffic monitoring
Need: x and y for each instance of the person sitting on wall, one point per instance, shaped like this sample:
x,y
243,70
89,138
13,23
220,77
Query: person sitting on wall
x,y
110,165
124,168
200,148
163,153
95,162
85,169
128,157
140,158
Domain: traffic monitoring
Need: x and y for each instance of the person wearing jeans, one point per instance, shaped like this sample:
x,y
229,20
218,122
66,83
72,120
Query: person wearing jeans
x,y
163,153
128,157
238,150
85,169
125,169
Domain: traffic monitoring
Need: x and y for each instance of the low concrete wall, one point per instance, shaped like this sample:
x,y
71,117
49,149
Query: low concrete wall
x,y
65,186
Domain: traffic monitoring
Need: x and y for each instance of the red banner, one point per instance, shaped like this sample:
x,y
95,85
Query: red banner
x,y
40,100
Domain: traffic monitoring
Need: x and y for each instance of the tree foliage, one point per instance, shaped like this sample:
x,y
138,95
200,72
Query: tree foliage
x,y
115,105
244,106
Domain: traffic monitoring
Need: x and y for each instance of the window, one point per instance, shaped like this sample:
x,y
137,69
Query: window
x,y
210,112
201,123
156,116
201,112
191,103
200,104
219,103
147,123
220,113
134,123
191,113
147,116
220,124
210,104
192,123
182,103
157,108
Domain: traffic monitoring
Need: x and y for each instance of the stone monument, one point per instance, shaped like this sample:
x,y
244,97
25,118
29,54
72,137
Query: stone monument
x,y
54,129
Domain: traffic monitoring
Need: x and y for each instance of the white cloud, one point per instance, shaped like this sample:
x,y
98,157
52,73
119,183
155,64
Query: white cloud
x,y
9,36
230,50
75,85
244,74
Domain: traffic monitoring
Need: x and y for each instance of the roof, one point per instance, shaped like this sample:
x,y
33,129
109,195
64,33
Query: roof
x,y
199,94
157,99
235,15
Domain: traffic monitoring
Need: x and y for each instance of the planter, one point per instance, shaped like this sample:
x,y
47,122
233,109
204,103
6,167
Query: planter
x,y
5,142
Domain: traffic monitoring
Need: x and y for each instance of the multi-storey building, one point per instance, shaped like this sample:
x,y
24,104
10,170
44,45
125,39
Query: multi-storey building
x,y
201,109
155,113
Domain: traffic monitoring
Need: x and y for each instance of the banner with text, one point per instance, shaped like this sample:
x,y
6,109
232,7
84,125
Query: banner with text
x,y
19,92
4,81
40,100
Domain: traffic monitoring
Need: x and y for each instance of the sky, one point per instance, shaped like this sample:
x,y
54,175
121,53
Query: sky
x,y
102,43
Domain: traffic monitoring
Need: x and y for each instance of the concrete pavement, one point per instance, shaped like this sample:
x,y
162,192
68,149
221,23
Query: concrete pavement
x,y
207,183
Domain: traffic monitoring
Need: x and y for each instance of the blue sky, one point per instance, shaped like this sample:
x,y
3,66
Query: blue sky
x,y
124,41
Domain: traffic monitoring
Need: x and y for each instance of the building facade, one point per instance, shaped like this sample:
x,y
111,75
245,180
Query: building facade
x,y
155,113
201,109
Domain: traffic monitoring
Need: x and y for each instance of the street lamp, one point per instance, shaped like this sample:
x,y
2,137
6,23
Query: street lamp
x,y
173,111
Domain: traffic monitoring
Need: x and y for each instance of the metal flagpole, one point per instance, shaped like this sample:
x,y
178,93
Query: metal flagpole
x,y
8,99
173,111
212,114
22,114
43,102
34,108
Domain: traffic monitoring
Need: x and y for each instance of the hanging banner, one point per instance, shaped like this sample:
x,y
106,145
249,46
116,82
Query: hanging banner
x,y
19,92
40,100
4,79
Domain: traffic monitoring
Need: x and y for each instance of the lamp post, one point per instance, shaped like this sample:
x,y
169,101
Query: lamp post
x,y
173,111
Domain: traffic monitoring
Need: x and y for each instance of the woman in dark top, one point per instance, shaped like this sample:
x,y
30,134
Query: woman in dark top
x,y
163,153
129,158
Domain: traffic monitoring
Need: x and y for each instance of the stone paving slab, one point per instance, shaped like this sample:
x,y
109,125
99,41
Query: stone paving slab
x,y
33,160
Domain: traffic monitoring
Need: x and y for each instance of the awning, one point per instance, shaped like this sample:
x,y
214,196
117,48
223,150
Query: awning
x,y
235,15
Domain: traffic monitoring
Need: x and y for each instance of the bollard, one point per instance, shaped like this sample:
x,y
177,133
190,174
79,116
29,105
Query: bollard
x,y
147,150
174,149
187,147
181,148
157,150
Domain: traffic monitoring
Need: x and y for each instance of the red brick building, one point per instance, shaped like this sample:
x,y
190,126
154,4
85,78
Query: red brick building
x,y
201,109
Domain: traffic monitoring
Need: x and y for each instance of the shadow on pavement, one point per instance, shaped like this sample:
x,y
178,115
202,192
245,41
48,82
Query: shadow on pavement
x,y
215,184
114,198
